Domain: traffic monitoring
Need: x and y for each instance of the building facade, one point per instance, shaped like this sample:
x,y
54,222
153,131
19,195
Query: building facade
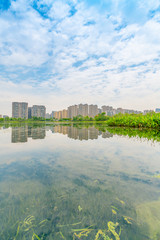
x,y
29,112
20,110
72,111
64,113
93,110
39,111
83,109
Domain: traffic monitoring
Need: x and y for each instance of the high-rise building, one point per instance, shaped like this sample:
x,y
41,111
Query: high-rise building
x,y
39,111
72,111
29,112
52,114
64,113
0,116
108,110
93,110
20,110
56,115
59,114
83,109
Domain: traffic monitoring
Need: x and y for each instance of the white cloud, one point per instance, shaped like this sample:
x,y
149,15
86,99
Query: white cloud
x,y
119,62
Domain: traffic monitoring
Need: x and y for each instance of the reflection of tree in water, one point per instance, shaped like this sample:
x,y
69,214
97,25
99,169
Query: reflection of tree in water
x,y
150,134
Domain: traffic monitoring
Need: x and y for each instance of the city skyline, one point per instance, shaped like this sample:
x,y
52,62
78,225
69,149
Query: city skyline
x,y
59,52
22,110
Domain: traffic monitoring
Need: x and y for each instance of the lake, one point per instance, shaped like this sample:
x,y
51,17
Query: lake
x,y
78,182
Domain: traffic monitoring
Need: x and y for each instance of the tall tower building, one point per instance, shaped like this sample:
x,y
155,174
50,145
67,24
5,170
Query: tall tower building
x,y
59,114
56,115
38,111
20,110
93,110
64,113
72,111
29,112
83,109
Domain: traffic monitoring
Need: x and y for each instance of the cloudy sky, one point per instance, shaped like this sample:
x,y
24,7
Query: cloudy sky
x,y
59,53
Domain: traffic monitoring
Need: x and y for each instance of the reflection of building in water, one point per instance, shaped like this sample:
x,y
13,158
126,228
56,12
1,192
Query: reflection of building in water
x,y
38,133
107,134
83,134
93,133
65,130
58,129
21,134
79,133
73,133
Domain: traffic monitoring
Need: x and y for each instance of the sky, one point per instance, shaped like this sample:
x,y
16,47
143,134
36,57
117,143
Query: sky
x,y
58,53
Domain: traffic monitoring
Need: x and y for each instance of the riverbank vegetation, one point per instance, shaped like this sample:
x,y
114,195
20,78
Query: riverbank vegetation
x,y
150,120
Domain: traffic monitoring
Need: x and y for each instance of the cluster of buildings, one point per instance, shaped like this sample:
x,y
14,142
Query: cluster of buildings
x,y
92,111
21,110
75,110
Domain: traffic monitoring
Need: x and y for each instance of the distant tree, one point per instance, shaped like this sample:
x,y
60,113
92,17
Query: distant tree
x,y
101,117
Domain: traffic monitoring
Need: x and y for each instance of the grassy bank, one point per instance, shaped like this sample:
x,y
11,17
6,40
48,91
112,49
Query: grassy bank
x,y
150,120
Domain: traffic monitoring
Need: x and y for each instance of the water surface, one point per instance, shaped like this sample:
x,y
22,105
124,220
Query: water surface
x,y
78,182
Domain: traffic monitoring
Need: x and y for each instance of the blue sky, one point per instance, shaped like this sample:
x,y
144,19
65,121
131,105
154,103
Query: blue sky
x,y
59,53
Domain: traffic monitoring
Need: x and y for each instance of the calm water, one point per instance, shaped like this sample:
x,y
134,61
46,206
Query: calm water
x,y
68,182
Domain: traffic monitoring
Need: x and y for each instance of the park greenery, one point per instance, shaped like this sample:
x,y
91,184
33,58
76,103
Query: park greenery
x,y
149,120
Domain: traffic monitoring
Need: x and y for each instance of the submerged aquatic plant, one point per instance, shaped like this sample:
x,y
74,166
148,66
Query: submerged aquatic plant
x,y
114,212
99,233
157,176
128,219
82,232
29,223
111,228
106,234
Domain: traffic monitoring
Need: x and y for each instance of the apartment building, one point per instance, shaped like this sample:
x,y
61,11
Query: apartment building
x,y
20,110
72,111
93,110
29,112
64,113
39,111
83,109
